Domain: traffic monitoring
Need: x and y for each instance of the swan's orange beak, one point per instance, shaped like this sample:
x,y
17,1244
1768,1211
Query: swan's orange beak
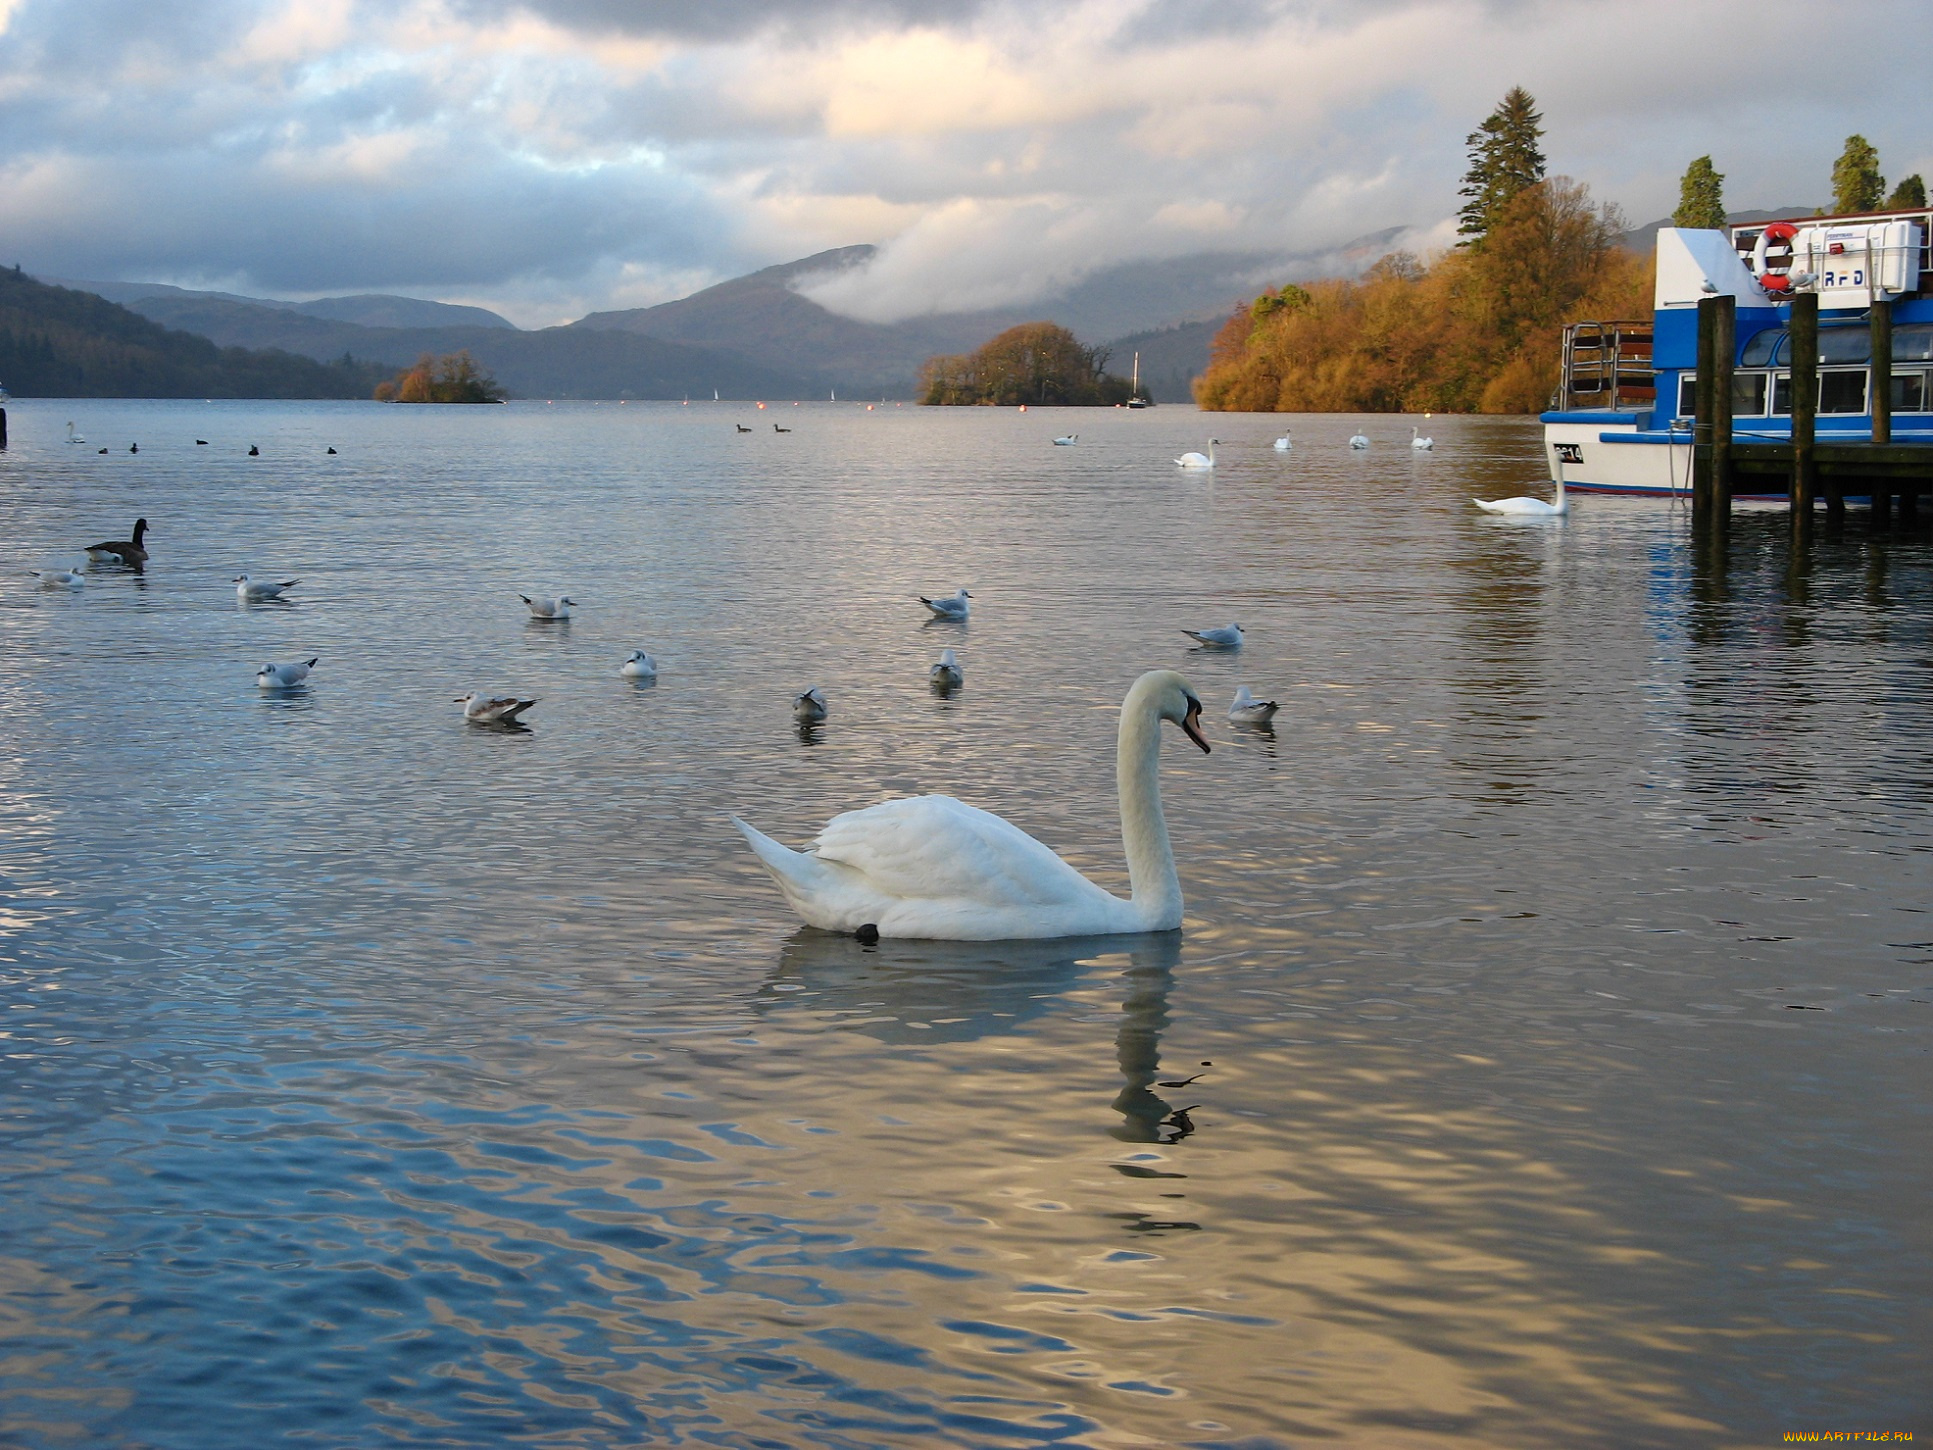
x,y
1191,723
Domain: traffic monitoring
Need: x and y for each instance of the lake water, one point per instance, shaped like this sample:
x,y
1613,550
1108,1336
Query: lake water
x,y
1557,973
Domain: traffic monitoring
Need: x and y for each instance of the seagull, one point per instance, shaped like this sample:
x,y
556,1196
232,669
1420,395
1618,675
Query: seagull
x,y
555,609
640,666
1708,287
809,708
1247,710
947,675
954,608
1283,444
483,709
1227,637
282,677
122,551
1067,442
58,578
1199,460
1358,441
254,591
1419,442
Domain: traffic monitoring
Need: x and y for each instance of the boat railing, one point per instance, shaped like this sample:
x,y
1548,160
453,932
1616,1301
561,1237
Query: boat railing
x,y
1607,365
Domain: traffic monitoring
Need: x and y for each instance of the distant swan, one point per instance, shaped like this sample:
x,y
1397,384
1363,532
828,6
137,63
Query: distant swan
x,y
640,666
282,677
947,675
260,591
1247,710
1358,441
954,608
484,709
1417,442
1229,636
810,707
1285,442
72,436
550,609
1199,460
121,551
933,867
1530,507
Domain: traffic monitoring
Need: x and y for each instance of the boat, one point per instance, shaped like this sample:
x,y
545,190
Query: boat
x,y
1135,400
1622,418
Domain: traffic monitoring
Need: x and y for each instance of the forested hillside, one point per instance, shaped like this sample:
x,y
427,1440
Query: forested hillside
x,y
58,343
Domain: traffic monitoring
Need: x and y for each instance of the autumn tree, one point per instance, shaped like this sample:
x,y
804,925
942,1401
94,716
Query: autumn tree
x,y
1504,159
452,378
1036,362
1701,197
1909,193
1856,183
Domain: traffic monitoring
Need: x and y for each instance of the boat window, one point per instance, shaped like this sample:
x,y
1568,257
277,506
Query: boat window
x,y
1782,393
1687,395
1913,342
1842,391
1748,393
1909,392
1761,348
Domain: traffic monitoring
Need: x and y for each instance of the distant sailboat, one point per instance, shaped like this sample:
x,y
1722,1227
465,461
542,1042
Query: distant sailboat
x,y
714,395
835,395
1135,400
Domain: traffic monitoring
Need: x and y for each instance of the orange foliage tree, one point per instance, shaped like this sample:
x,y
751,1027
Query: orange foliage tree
x,y
453,378
1475,332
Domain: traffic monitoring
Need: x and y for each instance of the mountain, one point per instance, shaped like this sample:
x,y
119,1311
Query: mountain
x,y
1644,239
59,343
1171,358
366,309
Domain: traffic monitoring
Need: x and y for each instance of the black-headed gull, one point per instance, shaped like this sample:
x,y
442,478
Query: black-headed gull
x,y
640,666
1247,710
58,578
558,608
260,591
485,709
810,707
1229,636
281,677
949,608
947,674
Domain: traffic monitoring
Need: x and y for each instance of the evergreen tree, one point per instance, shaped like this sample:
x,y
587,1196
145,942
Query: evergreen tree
x,y
1910,192
1504,160
1701,197
1856,182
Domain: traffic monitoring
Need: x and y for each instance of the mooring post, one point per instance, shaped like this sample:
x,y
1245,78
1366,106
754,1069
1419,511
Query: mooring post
x,y
1724,350
1882,384
1804,350
1701,410
3,427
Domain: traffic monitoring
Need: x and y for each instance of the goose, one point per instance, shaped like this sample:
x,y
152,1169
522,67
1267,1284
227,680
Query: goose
x,y
58,579
1358,441
134,447
947,674
1285,442
72,436
550,609
640,666
1229,636
201,443
1199,460
481,709
1415,441
253,451
741,427
1247,710
777,429
810,707
282,677
101,451
1530,507
934,867
331,452
122,551
260,591
955,608
1067,441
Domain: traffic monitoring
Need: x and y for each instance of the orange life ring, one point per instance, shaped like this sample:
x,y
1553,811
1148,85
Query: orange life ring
x,y
1773,271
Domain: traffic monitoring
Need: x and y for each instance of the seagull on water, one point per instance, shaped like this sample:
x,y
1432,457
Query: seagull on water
x,y
260,591
558,608
282,677
640,666
58,578
954,608
481,709
1229,636
1247,710
947,674
810,707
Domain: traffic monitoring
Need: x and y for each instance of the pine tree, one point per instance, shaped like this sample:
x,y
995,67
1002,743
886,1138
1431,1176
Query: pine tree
x,y
1856,182
1504,160
1701,197
1910,192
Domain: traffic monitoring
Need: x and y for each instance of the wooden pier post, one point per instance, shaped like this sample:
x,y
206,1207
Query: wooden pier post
x,y
1724,350
1803,348
1882,384
3,428
1701,411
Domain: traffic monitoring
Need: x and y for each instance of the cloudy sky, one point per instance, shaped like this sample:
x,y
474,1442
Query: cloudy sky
x,y
548,157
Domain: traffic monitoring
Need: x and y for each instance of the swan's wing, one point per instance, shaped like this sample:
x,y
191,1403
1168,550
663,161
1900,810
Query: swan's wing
x,y
934,847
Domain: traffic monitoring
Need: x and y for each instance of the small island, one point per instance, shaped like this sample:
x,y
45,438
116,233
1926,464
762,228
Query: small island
x,y
1037,362
452,378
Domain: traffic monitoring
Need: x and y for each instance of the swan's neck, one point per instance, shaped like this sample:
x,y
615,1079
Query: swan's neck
x,y
1144,831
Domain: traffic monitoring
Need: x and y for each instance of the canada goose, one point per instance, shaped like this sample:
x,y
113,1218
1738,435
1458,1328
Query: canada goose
x,y
122,551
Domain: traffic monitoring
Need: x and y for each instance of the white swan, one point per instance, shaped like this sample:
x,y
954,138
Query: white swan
x,y
810,707
1068,441
553,609
58,578
485,709
1229,636
947,675
640,666
1247,710
1199,460
954,608
1358,441
281,677
1534,508
260,591
1419,442
1285,442
72,436
933,867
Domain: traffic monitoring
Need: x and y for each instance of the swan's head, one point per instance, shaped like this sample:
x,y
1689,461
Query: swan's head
x,y
1169,696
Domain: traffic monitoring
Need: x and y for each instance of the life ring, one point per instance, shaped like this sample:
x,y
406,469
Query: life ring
x,y
1772,271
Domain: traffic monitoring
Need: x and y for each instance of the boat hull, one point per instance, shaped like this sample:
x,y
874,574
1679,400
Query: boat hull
x,y
1604,454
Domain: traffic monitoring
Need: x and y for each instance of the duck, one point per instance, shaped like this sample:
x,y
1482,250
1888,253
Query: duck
x,y
122,551
639,666
201,443
550,609
1067,440
260,591
59,578
1199,460
253,451
936,868
282,677
330,452
1419,442
1228,636
1358,441
1247,710
481,709
809,708
1535,508
947,674
134,447
954,608
1285,442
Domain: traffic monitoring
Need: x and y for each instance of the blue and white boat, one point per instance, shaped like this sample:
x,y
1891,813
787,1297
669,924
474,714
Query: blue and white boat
x,y
1623,418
